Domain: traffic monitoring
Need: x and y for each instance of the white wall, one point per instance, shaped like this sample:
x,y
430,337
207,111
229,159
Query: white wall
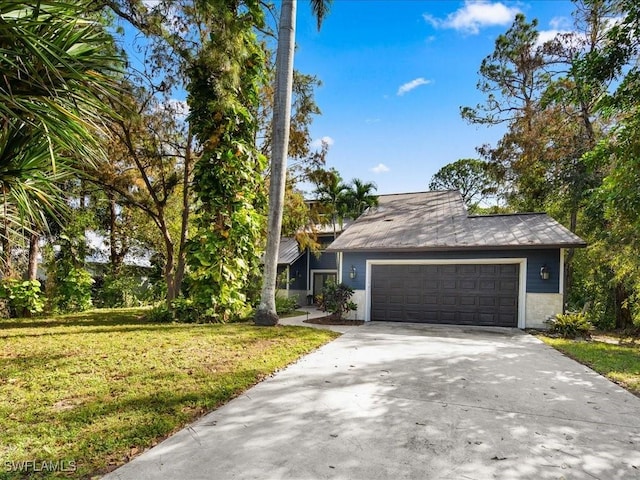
x,y
540,307
299,295
359,298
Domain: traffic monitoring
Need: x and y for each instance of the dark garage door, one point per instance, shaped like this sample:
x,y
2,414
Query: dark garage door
x,y
466,294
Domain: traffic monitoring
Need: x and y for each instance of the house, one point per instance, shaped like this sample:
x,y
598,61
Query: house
x,y
419,257
308,272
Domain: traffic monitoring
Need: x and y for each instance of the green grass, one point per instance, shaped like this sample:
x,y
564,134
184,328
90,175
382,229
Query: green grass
x,y
97,388
620,363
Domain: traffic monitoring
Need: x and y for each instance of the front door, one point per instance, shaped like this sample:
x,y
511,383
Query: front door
x,y
319,281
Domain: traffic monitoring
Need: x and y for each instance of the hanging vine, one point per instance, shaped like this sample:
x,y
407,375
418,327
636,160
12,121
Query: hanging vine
x,y
225,81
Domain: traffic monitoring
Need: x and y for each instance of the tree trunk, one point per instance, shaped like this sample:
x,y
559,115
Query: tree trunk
x,y
169,266
7,259
113,251
568,266
266,313
623,314
34,250
184,227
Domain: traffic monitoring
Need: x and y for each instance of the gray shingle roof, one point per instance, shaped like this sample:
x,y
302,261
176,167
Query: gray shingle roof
x,y
289,251
439,221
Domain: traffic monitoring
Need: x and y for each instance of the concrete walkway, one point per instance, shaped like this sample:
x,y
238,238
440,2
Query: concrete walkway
x,y
312,313
407,401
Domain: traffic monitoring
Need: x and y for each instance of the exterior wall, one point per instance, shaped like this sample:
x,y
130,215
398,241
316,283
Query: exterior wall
x,y
300,296
326,260
539,299
298,274
540,307
360,299
536,258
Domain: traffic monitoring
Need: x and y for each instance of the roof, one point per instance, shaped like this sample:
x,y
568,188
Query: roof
x,y
438,220
289,251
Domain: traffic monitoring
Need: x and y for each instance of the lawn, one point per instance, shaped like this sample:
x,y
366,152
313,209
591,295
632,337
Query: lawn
x,y
620,363
92,390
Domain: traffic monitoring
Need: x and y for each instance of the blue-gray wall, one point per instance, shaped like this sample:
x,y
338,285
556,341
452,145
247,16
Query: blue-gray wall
x,y
325,260
535,260
298,273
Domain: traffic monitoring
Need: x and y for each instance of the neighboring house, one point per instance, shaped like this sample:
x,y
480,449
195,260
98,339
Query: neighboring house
x,y
308,272
419,257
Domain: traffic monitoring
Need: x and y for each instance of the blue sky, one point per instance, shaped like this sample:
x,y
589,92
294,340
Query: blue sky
x,y
395,74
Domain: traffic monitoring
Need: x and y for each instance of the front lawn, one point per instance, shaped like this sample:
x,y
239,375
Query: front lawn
x,y
620,363
92,390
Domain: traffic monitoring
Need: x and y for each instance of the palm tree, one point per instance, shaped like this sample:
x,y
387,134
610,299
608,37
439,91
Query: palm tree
x,y
55,67
360,196
266,313
332,194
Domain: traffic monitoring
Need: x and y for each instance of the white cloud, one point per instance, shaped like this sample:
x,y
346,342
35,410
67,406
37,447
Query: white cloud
x,y
318,143
560,23
380,168
474,15
407,87
369,121
545,36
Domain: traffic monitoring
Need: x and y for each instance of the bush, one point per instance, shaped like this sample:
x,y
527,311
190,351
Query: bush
x,y
336,299
285,305
183,310
571,325
159,314
74,291
124,290
24,298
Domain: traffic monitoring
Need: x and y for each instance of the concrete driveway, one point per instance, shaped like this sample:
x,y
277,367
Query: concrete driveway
x,y
392,401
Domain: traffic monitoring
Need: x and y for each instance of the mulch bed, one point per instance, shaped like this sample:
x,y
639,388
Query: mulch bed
x,y
331,321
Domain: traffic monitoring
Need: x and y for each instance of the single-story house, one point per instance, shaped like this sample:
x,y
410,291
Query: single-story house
x,y
420,257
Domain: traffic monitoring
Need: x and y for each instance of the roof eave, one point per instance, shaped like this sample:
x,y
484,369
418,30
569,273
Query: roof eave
x,y
458,248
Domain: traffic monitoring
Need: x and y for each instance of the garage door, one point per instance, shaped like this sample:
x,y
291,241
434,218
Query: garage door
x,y
465,294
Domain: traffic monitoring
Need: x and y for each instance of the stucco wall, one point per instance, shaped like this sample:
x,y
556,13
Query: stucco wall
x,y
360,299
540,307
300,296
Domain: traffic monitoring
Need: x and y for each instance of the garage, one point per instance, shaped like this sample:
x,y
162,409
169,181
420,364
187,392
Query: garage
x,y
463,294
420,257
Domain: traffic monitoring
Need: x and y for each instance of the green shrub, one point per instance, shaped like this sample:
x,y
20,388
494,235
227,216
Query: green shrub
x,y
285,305
24,298
73,293
571,325
124,290
159,314
185,310
336,299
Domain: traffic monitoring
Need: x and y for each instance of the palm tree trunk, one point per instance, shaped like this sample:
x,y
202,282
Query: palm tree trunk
x,y
34,250
266,313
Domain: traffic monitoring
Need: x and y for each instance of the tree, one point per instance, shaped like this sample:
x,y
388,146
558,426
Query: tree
x,y
359,197
266,312
151,157
224,91
616,202
58,67
474,179
332,195
514,77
